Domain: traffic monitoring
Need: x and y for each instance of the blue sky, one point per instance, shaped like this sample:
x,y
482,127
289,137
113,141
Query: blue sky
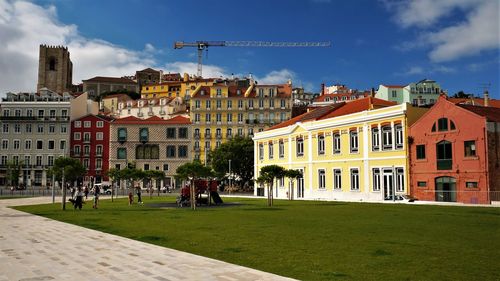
x,y
455,42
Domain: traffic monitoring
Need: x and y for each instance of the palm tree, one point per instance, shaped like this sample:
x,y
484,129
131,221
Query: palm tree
x,y
268,174
292,175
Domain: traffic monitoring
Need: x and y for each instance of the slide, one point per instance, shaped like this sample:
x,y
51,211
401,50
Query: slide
x,y
215,196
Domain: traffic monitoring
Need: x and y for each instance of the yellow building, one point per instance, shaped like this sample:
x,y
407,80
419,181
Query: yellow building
x,y
229,108
354,151
182,88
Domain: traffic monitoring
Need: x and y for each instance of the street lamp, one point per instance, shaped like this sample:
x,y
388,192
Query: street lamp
x,y
229,173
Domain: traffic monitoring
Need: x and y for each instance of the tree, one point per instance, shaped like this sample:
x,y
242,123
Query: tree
x,y
292,175
240,151
193,171
13,173
68,168
267,175
131,174
462,95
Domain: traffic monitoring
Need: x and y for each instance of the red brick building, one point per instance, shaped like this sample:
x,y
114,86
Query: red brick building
x,y
90,144
455,154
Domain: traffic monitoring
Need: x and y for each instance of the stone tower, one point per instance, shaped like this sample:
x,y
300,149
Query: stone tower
x,y
55,69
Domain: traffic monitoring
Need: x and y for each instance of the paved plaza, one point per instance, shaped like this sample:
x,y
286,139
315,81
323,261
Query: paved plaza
x,y
37,248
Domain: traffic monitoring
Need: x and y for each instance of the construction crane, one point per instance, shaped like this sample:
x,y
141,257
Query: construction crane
x,y
203,45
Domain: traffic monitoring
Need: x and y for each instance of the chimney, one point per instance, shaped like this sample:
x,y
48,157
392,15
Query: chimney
x,y
486,98
372,93
232,76
322,89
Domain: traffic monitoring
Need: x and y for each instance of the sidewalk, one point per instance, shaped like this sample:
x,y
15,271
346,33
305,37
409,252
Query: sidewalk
x,y
37,248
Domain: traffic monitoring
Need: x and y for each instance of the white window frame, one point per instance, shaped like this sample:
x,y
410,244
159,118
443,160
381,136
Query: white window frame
x,y
321,144
386,137
78,124
375,139
398,128
354,141
77,136
261,151
281,149
337,178
354,179
300,147
87,124
400,179
376,176
99,124
270,146
321,179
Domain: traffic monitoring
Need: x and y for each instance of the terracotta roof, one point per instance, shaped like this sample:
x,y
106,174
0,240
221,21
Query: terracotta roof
x,y
492,114
285,90
475,101
110,79
315,114
359,105
153,120
339,96
206,94
117,96
232,91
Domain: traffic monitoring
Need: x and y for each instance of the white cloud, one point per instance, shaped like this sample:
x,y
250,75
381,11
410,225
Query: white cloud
x,y
428,70
478,32
24,26
277,77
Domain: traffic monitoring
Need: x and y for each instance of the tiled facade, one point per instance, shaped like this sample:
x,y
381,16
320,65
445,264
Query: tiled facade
x,y
152,144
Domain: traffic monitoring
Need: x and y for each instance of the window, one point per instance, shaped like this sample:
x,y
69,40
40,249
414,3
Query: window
x,y
62,145
354,179
5,128
5,144
87,124
51,144
271,150
52,64
99,124
86,163
375,139
421,183
64,129
336,143
165,167
28,128
3,160
376,179
121,153
183,133
218,117
41,112
281,149
64,113
147,151
321,144
229,118
261,151
86,137
197,117
471,184
386,137
282,103
444,155
261,103
6,113
39,144
442,124
76,150
27,144
207,104
99,136
183,151
353,136
400,180
17,144
394,94
300,147
29,112
207,145
143,134
240,104
98,150
39,160
420,151
86,150
229,104
337,179
98,164
321,179
39,129
470,148
240,118
122,134
197,104
208,118
170,151
250,104
218,104
17,113
50,160
452,125
399,136
78,124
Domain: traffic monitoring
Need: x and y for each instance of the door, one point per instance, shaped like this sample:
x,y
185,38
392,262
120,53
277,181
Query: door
x,y
300,185
446,189
388,184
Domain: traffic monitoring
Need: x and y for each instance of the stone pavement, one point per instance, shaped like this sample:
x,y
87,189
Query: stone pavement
x,y
37,248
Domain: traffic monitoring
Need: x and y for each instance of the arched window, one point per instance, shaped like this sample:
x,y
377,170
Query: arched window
x,y
444,155
144,134
122,134
442,124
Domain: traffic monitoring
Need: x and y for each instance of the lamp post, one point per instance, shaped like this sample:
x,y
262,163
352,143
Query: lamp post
x,y
229,173
63,191
53,187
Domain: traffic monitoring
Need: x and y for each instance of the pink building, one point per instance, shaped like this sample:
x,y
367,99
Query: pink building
x,y
455,154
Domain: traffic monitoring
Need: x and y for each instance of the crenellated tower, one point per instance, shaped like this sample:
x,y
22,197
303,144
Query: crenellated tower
x,y
55,69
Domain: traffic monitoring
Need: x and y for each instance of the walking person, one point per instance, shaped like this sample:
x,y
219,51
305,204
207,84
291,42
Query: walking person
x,y
86,192
97,191
78,198
138,192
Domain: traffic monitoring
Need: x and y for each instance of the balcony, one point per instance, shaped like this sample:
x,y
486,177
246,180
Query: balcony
x,y
218,136
197,149
140,114
208,136
34,118
86,140
197,136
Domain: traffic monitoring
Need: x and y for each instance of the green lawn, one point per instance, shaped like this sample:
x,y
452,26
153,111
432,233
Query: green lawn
x,y
315,240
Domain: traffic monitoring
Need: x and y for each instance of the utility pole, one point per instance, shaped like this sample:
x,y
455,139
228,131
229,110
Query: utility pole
x,y
53,188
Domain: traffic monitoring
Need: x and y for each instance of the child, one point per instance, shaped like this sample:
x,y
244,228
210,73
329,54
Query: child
x,y
130,198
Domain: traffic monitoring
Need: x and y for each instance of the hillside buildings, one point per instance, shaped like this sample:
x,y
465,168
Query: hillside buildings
x,y
420,93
